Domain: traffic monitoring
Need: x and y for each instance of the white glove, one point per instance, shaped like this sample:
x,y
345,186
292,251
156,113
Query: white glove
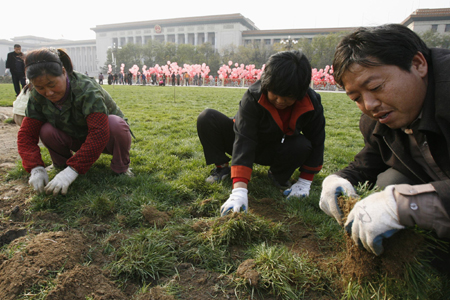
x,y
334,186
237,200
38,178
374,218
61,182
299,189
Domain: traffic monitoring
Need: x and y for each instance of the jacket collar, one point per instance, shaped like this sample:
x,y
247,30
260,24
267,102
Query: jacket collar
x,y
300,107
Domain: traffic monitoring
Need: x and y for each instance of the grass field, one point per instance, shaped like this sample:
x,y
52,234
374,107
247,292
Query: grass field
x,y
167,159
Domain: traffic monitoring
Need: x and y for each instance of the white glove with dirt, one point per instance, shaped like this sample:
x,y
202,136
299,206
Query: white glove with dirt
x,y
299,189
334,186
61,182
38,178
374,218
237,200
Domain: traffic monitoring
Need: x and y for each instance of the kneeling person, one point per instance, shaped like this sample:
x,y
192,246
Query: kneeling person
x,y
69,112
401,86
279,123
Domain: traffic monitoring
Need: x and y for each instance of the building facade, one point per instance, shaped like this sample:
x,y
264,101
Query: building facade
x,y
219,30
83,53
436,20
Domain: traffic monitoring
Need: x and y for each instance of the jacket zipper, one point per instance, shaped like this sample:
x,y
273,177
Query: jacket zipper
x,y
384,138
282,139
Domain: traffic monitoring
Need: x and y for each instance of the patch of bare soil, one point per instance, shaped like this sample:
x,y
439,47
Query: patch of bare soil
x,y
8,140
83,281
43,257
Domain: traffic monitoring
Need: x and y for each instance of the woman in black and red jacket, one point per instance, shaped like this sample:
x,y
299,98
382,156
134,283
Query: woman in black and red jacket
x,y
280,123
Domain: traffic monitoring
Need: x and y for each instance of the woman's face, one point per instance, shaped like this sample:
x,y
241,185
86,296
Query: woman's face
x,y
280,102
51,87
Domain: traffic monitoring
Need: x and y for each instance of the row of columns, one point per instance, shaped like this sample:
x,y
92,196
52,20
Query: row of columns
x,y
186,38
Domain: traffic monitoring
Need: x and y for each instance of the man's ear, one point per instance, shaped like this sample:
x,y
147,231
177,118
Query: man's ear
x,y
420,64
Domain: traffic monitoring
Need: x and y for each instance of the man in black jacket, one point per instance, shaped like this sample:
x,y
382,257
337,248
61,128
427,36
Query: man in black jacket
x,y
402,87
15,64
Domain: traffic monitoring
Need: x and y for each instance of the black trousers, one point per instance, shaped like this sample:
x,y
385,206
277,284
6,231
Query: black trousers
x,y
216,134
16,79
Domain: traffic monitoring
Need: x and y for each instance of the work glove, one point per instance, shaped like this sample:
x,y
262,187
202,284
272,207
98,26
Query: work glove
x,y
237,200
299,189
334,186
61,182
373,219
38,178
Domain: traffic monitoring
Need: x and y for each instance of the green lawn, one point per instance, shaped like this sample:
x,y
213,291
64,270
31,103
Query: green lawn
x,y
167,158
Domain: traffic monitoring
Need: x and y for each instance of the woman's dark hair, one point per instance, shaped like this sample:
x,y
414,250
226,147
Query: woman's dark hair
x,y
390,44
47,61
287,74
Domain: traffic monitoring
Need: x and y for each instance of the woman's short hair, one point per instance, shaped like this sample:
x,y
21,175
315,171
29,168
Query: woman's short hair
x,y
287,74
390,44
47,61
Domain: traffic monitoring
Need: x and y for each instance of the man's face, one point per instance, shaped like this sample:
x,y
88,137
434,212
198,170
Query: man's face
x,y
18,50
388,94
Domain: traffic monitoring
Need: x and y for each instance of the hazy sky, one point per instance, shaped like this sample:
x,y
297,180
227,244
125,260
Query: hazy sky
x,y
74,19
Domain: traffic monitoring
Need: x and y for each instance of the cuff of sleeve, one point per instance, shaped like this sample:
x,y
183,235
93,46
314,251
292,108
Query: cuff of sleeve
x,y
240,179
420,205
307,176
241,171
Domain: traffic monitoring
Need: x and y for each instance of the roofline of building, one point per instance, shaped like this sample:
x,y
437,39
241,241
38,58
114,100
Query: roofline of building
x,y
70,42
32,37
296,31
427,14
229,18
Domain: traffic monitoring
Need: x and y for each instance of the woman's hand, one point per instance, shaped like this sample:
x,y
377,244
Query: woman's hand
x,y
61,182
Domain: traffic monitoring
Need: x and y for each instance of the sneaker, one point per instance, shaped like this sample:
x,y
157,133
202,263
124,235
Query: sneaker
x,y
217,174
281,186
128,173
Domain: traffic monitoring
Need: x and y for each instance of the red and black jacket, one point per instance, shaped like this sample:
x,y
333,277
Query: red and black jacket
x,y
258,122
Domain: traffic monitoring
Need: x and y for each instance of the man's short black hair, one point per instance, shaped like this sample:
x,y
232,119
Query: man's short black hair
x,y
17,46
390,44
287,74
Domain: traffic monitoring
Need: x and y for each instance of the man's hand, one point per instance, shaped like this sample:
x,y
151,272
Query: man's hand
x,y
61,182
334,186
237,200
372,219
38,178
299,189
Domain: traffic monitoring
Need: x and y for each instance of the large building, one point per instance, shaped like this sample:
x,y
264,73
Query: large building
x,y
219,30
436,20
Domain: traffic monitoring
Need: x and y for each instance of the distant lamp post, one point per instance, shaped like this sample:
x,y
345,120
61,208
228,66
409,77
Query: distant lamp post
x,y
288,43
114,49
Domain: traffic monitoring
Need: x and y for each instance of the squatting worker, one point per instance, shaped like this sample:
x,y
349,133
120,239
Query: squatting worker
x,y
403,89
69,112
279,123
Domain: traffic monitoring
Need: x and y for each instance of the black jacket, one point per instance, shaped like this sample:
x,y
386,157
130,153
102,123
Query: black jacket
x,y
385,147
11,63
258,122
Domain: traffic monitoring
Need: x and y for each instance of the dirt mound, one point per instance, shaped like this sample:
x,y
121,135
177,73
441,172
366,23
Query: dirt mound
x,y
246,270
39,260
82,282
399,251
154,216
